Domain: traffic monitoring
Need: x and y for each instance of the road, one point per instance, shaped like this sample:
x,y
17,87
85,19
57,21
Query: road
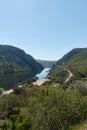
x,y
70,75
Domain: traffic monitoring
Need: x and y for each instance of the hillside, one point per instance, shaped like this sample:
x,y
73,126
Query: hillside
x,y
13,60
75,61
51,106
47,64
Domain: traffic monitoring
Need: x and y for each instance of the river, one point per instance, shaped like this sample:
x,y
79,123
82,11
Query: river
x,y
43,74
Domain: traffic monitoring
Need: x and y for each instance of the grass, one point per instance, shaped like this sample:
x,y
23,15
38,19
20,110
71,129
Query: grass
x,y
82,126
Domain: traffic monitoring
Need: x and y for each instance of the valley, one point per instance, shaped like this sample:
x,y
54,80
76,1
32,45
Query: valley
x,y
43,64
52,99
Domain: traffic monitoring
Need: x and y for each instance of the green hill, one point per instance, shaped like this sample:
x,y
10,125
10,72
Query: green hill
x,y
75,61
47,64
13,60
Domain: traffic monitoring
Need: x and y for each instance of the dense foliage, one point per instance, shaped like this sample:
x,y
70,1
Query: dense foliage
x,y
45,108
13,59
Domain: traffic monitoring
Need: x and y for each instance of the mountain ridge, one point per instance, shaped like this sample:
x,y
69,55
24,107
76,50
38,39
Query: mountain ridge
x,y
13,59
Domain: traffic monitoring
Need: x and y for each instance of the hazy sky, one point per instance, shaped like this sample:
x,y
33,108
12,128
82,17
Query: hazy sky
x,y
46,29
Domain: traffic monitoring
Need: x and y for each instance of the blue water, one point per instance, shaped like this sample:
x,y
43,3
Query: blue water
x,y
43,74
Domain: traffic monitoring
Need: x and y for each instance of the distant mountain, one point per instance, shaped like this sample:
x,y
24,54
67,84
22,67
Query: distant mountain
x,y
75,61
47,64
13,60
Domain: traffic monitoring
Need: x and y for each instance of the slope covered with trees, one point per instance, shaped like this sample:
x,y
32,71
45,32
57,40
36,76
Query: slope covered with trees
x,y
14,60
75,61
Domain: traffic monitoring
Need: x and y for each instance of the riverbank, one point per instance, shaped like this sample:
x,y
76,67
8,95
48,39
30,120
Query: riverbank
x,y
40,82
10,91
37,82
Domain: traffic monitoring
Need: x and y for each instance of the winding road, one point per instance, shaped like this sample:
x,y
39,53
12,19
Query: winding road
x,y
70,75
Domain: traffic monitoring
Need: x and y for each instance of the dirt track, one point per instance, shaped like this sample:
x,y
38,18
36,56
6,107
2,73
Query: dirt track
x,y
69,73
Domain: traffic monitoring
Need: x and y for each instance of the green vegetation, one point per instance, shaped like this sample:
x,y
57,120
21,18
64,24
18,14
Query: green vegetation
x,y
81,126
44,108
75,61
1,89
47,64
56,105
16,60
8,81
57,74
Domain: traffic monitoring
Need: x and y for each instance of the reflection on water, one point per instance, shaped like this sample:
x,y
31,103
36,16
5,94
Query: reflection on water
x,y
8,81
43,74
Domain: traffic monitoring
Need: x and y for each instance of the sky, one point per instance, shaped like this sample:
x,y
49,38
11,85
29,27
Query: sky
x,y
46,29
